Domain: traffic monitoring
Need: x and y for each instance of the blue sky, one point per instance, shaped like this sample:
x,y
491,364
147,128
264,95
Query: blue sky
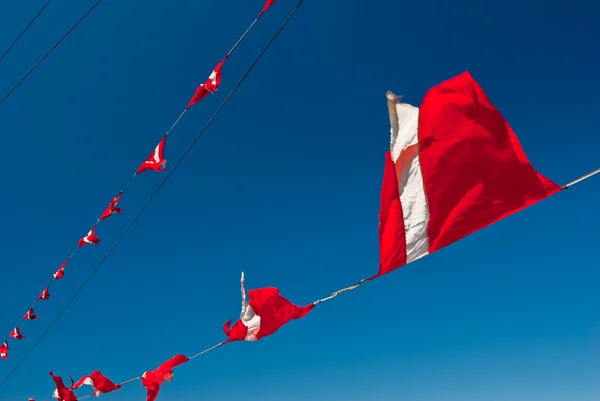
x,y
285,186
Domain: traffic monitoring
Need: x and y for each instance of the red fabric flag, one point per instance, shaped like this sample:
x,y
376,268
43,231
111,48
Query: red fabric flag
x,y
268,5
210,86
60,273
90,238
156,161
152,380
45,294
16,334
4,350
62,392
263,315
99,383
454,167
30,315
112,208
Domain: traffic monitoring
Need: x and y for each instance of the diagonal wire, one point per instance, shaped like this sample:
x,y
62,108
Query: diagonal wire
x,y
49,51
114,245
25,30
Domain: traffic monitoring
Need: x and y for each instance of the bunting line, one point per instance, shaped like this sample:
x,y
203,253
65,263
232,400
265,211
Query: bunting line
x,y
150,163
25,30
145,205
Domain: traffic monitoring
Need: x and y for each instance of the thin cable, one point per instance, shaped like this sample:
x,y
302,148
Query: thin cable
x,y
25,30
49,51
114,245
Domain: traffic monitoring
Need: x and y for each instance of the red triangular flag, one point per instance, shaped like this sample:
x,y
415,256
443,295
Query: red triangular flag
x,y
62,392
60,273
153,380
90,238
4,350
156,161
263,315
16,334
268,5
30,315
112,208
99,383
45,294
210,86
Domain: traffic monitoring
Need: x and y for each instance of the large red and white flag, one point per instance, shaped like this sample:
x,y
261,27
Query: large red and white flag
x,y
156,161
454,167
263,315
99,383
90,238
152,380
4,350
210,86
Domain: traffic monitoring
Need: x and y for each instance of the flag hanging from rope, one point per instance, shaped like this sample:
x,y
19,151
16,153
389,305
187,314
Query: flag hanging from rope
x,y
100,383
210,86
263,315
152,380
454,167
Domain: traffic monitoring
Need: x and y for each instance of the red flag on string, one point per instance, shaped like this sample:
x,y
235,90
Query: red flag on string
x,y
263,315
454,167
112,208
4,350
30,315
152,380
210,86
16,334
156,161
60,273
99,383
268,5
62,392
90,238
45,294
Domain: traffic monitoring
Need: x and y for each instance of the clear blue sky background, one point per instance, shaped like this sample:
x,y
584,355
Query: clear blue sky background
x,y
285,186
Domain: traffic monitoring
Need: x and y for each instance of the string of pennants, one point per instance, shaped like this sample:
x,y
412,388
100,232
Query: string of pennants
x,y
156,161
454,166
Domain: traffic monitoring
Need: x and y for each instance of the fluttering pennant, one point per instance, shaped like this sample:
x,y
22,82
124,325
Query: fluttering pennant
x,y
99,383
268,5
30,315
4,350
152,380
210,86
454,167
60,273
156,161
112,208
263,315
90,238
45,294
62,392
16,334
